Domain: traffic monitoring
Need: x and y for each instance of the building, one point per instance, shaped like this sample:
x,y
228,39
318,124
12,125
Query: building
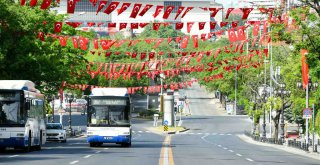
x,y
85,12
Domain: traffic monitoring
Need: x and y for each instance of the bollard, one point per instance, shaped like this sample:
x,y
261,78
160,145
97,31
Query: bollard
x,y
315,148
155,119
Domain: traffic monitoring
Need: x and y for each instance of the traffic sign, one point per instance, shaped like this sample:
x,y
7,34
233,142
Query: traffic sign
x,y
307,113
166,122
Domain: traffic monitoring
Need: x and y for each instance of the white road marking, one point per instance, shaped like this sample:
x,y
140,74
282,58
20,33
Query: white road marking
x,y
98,152
13,156
74,162
214,133
199,133
225,148
229,134
248,159
231,151
221,134
106,148
147,131
87,156
238,154
219,145
140,131
191,133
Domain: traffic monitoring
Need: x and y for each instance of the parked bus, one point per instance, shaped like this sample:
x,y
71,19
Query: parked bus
x,y
22,115
109,114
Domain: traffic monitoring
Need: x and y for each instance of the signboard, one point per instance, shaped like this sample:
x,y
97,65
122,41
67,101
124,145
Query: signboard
x,y
166,122
108,102
307,113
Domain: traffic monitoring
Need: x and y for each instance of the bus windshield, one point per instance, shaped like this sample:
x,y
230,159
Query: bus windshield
x,y
10,113
109,115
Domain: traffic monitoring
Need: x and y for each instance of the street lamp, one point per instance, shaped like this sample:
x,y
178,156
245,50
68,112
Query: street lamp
x,y
70,98
282,93
310,86
264,96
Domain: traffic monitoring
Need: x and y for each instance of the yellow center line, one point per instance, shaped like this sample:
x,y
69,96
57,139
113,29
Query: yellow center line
x,y
166,154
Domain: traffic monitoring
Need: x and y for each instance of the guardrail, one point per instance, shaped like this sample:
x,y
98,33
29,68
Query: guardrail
x,y
291,143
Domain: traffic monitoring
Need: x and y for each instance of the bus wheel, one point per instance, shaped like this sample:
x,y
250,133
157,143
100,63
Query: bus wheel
x,y
38,147
93,144
28,148
99,144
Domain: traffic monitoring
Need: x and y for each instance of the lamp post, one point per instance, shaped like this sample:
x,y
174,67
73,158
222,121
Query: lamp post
x,y
264,95
70,98
282,93
310,86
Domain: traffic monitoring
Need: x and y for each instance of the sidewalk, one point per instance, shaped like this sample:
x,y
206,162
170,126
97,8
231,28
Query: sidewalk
x,y
292,150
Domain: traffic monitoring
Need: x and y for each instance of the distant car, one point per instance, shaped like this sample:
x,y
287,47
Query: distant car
x,y
55,132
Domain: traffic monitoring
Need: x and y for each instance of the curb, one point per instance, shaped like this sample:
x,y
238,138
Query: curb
x,y
177,132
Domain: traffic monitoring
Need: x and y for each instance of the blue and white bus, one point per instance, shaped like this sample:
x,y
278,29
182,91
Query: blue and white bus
x,y
22,115
109,115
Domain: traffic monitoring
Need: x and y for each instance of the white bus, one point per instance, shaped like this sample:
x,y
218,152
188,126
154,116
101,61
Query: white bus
x,y
22,115
109,114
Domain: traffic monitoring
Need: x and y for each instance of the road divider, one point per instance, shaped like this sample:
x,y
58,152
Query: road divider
x,y
166,154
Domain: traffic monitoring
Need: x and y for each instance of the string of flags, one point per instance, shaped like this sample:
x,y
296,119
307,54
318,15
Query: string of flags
x,y
139,9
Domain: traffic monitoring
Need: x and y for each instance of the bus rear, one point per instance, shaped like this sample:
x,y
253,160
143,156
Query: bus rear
x,y
109,117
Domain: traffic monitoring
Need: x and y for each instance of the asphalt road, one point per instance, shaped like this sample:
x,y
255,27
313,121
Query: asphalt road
x,y
212,139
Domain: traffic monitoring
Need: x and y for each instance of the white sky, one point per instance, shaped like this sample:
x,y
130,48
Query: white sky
x,y
228,3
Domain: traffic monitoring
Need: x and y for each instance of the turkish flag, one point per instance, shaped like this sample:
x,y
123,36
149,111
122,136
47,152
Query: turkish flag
x,y
195,41
241,33
22,2
159,41
119,43
246,12
134,25
203,36
145,9
95,43
184,42
135,10
71,6
234,24
112,6
94,2
83,43
108,54
178,39
180,9
33,3
263,10
228,12
91,24
232,36
256,28
169,40
201,25
142,25
305,68
123,26
57,27
179,25
156,26
45,4
102,4
158,10
100,24
222,24
143,55
265,27
167,12
75,42
186,11
213,25
74,24
189,26
41,36
63,40
112,24
123,8
152,55
217,53
214,11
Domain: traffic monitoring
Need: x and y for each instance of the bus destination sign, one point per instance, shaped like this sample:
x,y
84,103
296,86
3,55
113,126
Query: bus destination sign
x,y
108,102
8,96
